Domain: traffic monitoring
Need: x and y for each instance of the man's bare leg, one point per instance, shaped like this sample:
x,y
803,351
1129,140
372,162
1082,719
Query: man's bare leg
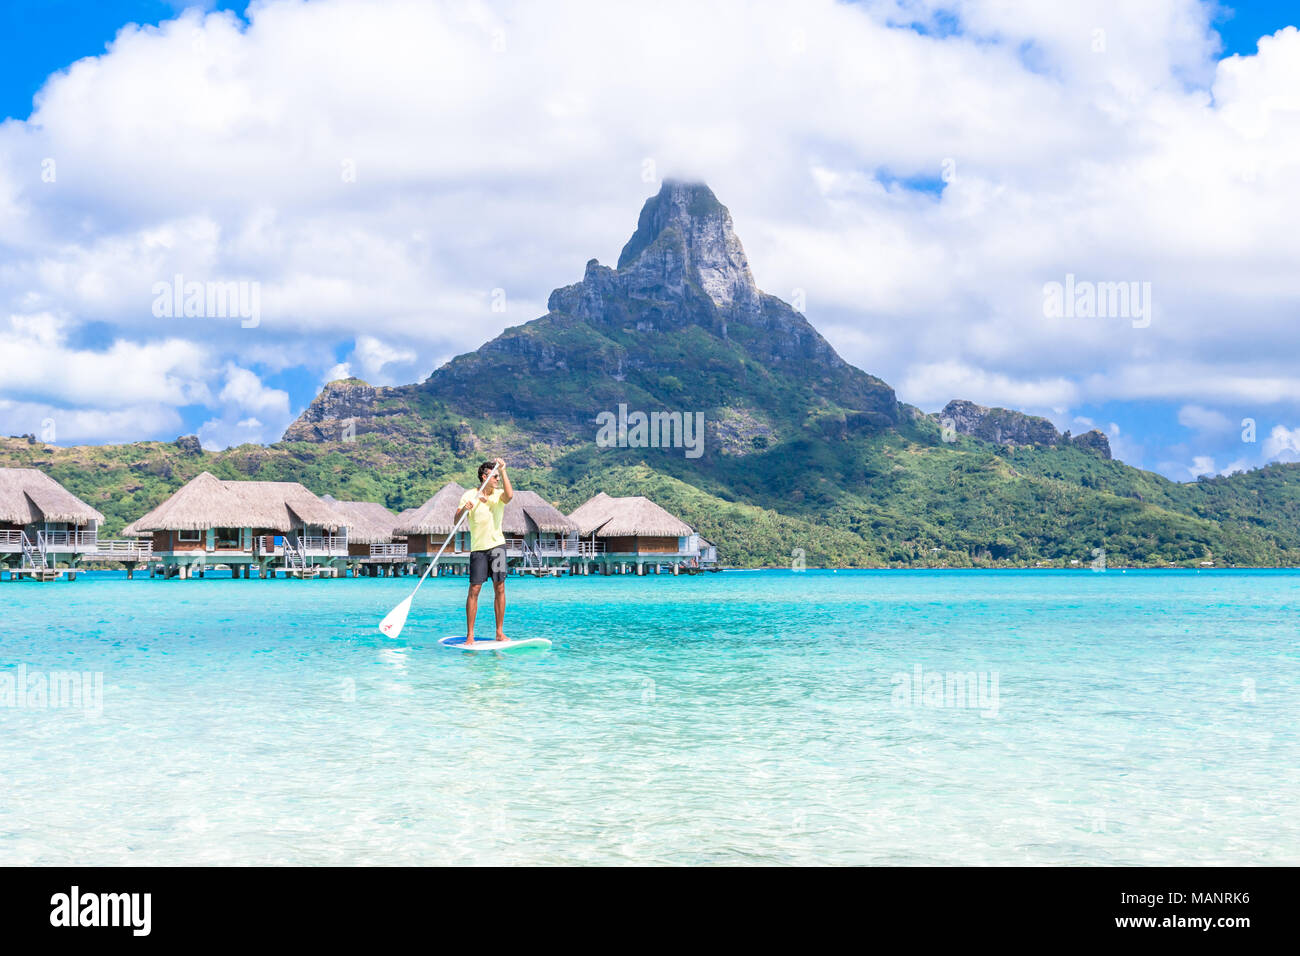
x,y
499,606
471,611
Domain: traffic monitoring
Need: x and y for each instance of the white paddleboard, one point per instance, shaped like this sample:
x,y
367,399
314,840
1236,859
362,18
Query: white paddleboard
x,y
457,642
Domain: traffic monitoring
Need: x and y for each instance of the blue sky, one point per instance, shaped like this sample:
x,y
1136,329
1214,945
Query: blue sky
x,y
38,37
495,149
1242,24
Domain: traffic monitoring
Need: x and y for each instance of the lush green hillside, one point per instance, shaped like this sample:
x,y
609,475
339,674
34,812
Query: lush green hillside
x,y
889,502
802,453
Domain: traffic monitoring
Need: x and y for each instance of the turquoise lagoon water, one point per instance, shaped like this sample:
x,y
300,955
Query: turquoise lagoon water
x,y
745,717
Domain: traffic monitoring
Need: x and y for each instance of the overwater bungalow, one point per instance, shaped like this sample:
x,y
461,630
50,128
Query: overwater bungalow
x,y
427,528
374,547
269,525
538,534
41,524
539,538
708,550
629,535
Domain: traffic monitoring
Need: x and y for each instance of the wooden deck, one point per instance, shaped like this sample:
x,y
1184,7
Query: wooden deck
x,y
38,574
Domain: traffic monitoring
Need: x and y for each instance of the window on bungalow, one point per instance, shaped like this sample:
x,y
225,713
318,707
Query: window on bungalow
x,y
190,536
228,538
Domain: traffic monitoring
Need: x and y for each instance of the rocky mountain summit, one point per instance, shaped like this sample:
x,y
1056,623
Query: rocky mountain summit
x,y
340,405
189,444
1004,426
684,235
679,324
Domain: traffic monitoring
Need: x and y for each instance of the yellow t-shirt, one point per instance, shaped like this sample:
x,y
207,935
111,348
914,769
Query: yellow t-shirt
x,y
485,520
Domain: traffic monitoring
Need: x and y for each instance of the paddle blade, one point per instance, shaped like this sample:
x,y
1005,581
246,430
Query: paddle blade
x,y
395,620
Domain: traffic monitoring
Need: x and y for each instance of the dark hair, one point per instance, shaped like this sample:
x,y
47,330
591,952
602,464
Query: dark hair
x,y
483,470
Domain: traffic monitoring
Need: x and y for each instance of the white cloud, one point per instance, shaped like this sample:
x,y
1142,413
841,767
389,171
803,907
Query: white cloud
x,y
374,357
934,384
245,391
501,147
341,370
87,425
1282,444
218,434
38,359
245,402
1204,419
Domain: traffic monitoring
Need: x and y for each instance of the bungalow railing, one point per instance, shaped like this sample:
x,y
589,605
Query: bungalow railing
x,y
11,540
388,550
659,554
545,547
589,549
33,554
324,544
123,548
69,540
557,546
293,555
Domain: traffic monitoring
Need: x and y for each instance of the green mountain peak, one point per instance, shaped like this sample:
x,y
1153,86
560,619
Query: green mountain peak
x,y
801,453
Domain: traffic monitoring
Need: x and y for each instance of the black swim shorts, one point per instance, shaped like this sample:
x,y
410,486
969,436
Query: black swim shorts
x,y
489,563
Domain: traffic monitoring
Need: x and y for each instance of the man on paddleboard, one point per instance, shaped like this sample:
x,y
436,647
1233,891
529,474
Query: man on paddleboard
x,y
487,545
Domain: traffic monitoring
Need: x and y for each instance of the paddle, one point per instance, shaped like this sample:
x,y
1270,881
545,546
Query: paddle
x,y
395,619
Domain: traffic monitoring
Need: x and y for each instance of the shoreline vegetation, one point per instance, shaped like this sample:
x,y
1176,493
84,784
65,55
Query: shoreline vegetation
x,y
1042,508
1016,567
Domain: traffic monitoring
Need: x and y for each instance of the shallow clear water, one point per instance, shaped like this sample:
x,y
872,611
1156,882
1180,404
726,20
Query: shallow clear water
x,y
1139,718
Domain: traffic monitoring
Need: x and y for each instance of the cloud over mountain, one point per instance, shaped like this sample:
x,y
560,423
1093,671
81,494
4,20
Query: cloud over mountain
x,y
404,180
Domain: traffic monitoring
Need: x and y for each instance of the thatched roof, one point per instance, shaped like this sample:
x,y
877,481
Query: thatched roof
x,y
208,502
435,515
283,501
29,496
607,517
133,531
593,513
368,521
201,503
528,511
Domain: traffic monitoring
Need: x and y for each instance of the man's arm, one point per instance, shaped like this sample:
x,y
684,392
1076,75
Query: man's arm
x,y
507,490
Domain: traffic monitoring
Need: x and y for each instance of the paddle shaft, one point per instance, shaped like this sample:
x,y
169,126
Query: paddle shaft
x,y
452,536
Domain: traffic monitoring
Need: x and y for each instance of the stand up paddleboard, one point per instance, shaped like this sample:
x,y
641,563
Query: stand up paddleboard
x,y
457,642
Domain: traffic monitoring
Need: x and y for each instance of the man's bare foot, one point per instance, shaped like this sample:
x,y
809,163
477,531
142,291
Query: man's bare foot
x,y
501,637
469,641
